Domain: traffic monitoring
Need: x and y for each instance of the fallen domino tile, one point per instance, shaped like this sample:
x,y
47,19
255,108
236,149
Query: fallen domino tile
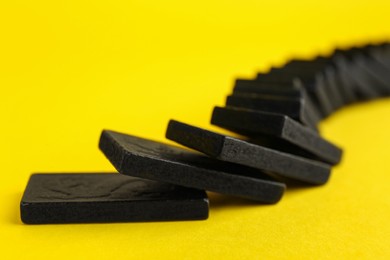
x,y
283,91
153,160
382,56
327,66
318,63
375,81
317,89
356,79
342,82
378,72
105,197
251,85
313,83
333,98
257,123
295,108
333,83
233,150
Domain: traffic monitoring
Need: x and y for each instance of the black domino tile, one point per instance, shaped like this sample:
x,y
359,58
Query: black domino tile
x,y
105,198
328,89
295,108
338,94
252,86
382,56
278,91
378,73
153,160
373,77
356,79
334,89
290,135
314,85
230,149
344,86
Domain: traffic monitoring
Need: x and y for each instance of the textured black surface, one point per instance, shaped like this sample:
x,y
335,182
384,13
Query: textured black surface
x,y
261,124
336,82
295,108
105,197
275,90
324,65
313,83
319,78
233,150
162,162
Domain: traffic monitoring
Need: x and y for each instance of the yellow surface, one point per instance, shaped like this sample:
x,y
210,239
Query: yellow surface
x,y
68,69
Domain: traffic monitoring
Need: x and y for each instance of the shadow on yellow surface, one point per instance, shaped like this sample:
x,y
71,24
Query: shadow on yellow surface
x,y
12,211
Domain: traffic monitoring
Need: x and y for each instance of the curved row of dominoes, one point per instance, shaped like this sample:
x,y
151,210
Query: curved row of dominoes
x,y
276,115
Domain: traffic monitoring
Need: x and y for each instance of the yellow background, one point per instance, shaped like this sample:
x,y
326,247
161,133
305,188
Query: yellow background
x,y
68,69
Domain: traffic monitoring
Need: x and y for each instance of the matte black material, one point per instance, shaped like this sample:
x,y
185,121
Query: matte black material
x,y
344,86
251,85
370,75
377,73
162,162
105,197
255,124
260,88
233,150
278,91
338,94
356,79
318,63
333,84
295,108
314,84
382,56
332,97
317,88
